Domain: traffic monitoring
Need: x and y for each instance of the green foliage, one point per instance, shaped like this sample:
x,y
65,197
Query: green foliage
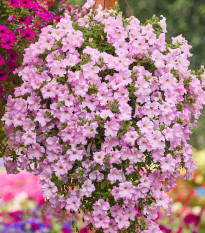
x,y
3,139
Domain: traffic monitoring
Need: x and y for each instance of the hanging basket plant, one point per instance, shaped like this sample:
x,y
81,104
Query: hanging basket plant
x,y
103,117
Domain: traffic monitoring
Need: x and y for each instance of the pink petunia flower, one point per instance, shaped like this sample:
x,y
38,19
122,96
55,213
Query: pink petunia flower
x,y
3,30
2,61
12,66
7,41
73,203
14,3
28,33
26,3
88,188
3,75
12,56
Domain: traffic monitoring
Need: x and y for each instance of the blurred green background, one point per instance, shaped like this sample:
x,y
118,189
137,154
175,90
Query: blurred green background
x,y
186,17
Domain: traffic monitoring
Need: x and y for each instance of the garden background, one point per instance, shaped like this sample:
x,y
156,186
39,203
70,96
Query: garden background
x,y
186,17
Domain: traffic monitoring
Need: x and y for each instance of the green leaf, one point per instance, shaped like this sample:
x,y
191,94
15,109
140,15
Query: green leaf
x,y
103,184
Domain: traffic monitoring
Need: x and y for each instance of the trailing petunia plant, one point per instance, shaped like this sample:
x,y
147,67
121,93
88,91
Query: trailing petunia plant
x,y
103,117
21,23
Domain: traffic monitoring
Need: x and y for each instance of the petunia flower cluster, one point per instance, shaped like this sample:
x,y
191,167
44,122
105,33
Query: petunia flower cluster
x,y
28,18
7,39
29,4
23,25
103,117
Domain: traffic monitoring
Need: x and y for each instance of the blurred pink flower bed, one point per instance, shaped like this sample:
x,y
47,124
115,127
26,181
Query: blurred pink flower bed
x,y
18,183
20,199
21,196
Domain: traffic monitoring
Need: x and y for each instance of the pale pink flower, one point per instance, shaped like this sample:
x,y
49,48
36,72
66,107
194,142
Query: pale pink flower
x,y
111,128
73,203
168,163
122,221
48,189
101,221
88,188
162,24
99,157
126,190
115,175
29,138
36,151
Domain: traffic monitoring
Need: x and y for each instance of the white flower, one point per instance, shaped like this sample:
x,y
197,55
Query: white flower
x,y
162,24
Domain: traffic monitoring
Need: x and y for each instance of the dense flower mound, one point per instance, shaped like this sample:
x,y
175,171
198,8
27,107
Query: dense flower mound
x,y
103,117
